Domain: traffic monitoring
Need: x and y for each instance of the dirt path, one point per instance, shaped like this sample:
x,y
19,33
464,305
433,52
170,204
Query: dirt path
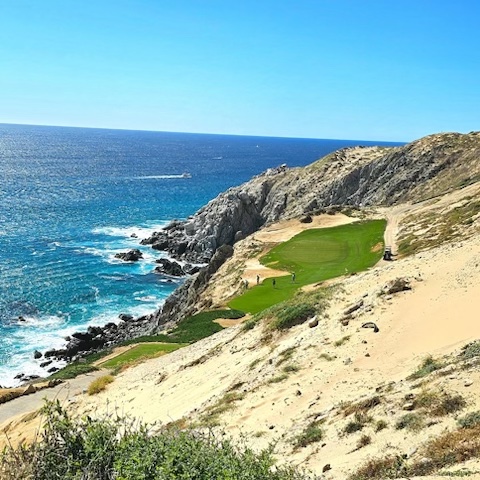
x,y
63,392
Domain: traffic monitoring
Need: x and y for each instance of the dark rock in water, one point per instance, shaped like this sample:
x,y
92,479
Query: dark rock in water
x,y
67,338
21,319
94,331
18,376
82,336
125,317
133,235
37,355
53,369
131,256
169,267
110,326
46,364
191,269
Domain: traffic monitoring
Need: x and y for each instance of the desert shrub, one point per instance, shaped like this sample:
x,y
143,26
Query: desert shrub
x,y
471,350
363,441
292,315
470,420
448,449
362,406
290,368
100,384
312,433
359,421
380,425
410,421
428,365
381,468
211,415
439,403
341,341
327,357
117,448
286,355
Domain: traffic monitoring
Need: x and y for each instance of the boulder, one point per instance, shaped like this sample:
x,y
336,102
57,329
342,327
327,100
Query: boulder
x,y
169,267
37,355
400,284
130,256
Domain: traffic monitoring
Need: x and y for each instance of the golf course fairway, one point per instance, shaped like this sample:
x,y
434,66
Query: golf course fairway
x,y
315,255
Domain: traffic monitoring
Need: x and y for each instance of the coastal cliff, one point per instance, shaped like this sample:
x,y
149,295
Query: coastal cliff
x,y
352,177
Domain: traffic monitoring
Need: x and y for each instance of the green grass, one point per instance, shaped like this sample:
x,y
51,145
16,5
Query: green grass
x,y
73,370
191,328
141,352
315,255
187,331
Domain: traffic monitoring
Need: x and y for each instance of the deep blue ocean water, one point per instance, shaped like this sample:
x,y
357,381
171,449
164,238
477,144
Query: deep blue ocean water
x,y
70,198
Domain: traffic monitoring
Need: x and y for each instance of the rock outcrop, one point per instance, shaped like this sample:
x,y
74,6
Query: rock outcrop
x,y
352,177
357,177
130,256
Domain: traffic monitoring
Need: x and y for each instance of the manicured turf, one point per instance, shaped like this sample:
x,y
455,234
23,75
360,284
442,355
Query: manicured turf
x,y
315,255
192,328
143,351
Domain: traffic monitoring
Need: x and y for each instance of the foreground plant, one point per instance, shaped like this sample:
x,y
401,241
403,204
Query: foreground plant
x,y
115,448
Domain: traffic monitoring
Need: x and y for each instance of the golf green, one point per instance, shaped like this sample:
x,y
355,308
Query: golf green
x,y
313,256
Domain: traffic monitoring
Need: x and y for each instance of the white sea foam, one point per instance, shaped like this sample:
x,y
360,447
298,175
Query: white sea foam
x,y
127,232
158,177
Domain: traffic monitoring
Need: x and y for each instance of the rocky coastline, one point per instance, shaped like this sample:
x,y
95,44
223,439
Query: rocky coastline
x,y
355,178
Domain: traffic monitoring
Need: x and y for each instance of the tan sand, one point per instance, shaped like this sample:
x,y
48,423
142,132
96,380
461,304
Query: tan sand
x,y
436,317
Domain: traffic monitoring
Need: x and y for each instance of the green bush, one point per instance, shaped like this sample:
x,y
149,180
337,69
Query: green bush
x,y
411,421
471,350
428,366
116,448
73,370
292,315
313,433
470,420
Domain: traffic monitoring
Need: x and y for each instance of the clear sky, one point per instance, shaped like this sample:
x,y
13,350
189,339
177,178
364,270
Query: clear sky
x,y
350,69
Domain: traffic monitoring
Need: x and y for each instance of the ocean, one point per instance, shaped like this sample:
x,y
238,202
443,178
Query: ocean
x,y
71,198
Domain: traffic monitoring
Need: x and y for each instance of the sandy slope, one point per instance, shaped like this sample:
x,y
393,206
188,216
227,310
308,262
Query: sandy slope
x,y
436,317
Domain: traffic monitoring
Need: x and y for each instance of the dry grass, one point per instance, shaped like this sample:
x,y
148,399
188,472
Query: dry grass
x,y
362,406
438,403
448,449
100,384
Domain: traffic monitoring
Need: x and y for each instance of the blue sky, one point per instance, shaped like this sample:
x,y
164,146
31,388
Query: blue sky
x,y
364,69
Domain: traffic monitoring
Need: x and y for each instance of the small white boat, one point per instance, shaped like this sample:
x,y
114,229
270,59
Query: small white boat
x,y
186,175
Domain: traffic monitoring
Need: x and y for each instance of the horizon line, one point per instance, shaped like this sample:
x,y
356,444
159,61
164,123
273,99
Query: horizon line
x,y
204,133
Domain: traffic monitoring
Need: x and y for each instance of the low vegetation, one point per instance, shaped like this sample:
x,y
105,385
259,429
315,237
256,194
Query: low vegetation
x,y
312,433
116,448
294,311
428,365
100,384
73,370
359,421
211,414
438,226
410,421
191,329
140,353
